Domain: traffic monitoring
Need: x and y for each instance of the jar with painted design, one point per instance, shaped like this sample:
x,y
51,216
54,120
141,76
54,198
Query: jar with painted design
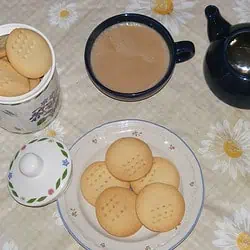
x,y
36,108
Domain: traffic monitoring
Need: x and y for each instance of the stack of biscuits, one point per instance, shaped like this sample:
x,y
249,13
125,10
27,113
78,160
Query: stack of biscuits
x,y
132,188
25,58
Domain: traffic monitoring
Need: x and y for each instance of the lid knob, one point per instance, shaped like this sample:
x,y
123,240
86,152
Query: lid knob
x,y
31,165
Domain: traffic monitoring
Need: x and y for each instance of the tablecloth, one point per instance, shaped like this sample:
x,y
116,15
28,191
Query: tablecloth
x,y
185,105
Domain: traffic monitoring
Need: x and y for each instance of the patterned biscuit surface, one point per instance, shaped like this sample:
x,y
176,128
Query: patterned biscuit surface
x,y
162,171
11,82
115,211
95,179
129,159
160,207
28,53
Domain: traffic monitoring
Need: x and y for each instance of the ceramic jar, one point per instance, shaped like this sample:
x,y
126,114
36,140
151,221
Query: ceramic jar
x,y
34,110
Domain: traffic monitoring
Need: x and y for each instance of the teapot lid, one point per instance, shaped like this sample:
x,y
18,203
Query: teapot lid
x,y
39,172
238,53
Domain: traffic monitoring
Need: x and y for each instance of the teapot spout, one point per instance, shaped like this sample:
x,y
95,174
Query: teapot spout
x,y
218,27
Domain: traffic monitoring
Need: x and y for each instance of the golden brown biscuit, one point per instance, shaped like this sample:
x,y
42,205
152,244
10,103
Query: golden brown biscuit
x,y
5,59
160,207
115,211
28,52
2,52
11,82
3,40
129,159
95,179
34,83
162,171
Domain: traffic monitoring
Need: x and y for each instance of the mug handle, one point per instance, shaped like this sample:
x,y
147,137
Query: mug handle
x,y
184,50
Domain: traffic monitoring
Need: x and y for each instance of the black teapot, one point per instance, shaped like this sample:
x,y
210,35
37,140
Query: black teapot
x,y
227,61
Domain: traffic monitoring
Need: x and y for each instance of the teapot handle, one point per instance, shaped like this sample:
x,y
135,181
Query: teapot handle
x,y
184,51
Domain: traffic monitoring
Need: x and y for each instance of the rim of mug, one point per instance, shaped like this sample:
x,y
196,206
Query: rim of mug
x,y
144,20
227,42
46,78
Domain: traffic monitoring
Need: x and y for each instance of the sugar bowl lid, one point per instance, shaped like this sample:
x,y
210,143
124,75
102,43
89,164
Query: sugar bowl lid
x,y
39,172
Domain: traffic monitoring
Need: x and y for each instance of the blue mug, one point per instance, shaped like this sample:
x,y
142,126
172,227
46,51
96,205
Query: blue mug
x,y
179,52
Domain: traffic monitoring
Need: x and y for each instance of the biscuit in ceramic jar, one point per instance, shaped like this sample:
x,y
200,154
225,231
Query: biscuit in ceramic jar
x,y
11,82
160,207
29,53
162,171
34,83
2,53
5,59
95,179
115,211
129,159
3,40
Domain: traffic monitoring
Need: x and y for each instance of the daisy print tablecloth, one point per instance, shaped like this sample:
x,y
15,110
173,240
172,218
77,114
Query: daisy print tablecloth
x,y
217,133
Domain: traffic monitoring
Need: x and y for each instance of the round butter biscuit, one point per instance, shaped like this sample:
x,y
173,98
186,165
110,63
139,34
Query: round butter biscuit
x,y
11,82
3,40
129,159
5,59
34,83
29,53
162,171
95,179
160,207
115,211
2,53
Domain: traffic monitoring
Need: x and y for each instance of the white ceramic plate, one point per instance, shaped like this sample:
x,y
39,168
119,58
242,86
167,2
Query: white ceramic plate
x,y
79,217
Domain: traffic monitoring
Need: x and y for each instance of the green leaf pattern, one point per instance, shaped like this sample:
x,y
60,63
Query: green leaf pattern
x,y
43,139
60,145
31,200
58,183
11,164
64,174
42,198
14,193
32,141
10,185
64,153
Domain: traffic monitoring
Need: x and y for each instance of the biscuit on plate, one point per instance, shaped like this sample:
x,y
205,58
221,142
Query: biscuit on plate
x,y
115,211
29,53
162,171
129,159
160,207
95,179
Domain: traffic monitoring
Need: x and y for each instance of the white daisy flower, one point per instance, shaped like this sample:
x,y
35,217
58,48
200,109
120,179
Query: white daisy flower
x,y
63,14
10,245
234,233
229,147
57,218
242,10
53,130
171,13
